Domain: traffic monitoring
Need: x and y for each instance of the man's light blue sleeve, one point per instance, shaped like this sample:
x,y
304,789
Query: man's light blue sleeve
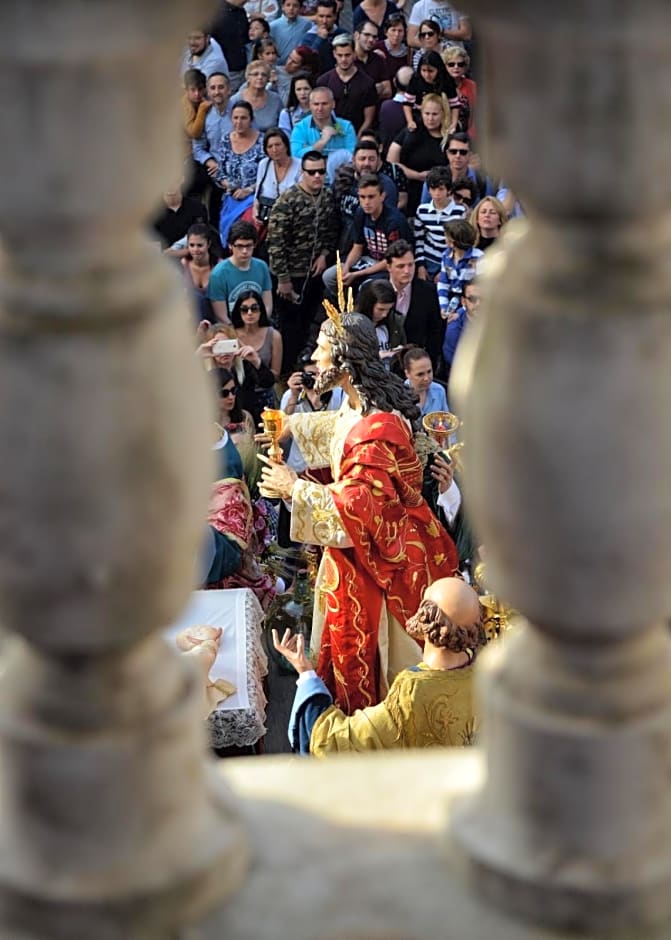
x,y
312,699
350,136
299,142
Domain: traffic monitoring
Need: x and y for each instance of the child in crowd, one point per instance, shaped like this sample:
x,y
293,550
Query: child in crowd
x,y
458,266
430,219
194,104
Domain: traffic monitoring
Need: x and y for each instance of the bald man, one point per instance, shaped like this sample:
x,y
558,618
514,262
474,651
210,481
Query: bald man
x,y
429,705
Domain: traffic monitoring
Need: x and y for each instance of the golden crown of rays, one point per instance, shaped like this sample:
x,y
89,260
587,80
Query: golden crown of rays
x,y
335,314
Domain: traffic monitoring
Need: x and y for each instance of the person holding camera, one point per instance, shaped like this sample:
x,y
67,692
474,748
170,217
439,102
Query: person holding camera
x,y
277,172
301,398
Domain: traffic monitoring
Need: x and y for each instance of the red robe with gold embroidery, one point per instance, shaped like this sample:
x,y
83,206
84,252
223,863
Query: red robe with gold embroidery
x,y
399,548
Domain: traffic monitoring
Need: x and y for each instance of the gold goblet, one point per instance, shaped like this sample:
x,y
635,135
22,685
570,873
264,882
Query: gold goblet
x,y
498,615
440,426
273,421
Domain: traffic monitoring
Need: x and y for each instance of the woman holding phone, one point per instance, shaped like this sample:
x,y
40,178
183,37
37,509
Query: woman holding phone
x,y
244,362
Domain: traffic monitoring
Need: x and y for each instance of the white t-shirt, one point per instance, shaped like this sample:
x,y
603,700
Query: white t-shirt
x,y
267,180
442,13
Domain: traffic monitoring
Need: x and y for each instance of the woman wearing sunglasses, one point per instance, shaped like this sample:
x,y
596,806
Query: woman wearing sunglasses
x,y
253,329
239,529
427,37
243,361
232,416
453,26
457,62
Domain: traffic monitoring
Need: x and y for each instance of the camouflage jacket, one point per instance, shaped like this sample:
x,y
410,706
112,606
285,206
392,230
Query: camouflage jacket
x,y
301,227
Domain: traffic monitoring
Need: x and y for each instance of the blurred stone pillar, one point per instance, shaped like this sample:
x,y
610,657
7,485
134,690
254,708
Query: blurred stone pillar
x,y
109,825
570,462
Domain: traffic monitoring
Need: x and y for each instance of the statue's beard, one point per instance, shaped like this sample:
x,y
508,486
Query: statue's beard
x,y
327,380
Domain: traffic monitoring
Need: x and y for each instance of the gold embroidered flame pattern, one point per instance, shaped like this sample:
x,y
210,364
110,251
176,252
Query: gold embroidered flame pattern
x,y
313,432
314,517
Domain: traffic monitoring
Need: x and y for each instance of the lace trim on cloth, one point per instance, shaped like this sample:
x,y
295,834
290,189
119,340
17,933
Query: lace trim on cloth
x,y
244,727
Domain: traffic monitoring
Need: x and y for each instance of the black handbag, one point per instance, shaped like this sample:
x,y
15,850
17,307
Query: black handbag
x,y
265,205
265,202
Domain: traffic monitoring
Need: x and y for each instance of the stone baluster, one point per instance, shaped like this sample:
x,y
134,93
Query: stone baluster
x,y
566,428
110,823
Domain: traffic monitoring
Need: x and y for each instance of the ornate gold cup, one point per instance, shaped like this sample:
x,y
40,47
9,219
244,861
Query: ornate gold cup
x,y
498,614
273,421
440,426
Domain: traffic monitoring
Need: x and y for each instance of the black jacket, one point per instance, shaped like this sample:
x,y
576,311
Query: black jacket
x,y
230,29
424,325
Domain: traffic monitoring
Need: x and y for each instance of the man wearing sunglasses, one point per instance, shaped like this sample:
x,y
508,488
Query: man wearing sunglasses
x,y
458,151
302,234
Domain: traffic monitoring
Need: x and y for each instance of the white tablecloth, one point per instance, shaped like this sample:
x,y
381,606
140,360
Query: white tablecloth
x,y
240,720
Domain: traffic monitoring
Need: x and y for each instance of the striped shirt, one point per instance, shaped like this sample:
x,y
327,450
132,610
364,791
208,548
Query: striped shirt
x,y
430,242
454,275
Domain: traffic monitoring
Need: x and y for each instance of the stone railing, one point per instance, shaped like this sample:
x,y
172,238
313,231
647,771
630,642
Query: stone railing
x,y
107,813
110,825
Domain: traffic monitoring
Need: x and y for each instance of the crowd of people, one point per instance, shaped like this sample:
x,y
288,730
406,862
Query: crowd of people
x,y
306,142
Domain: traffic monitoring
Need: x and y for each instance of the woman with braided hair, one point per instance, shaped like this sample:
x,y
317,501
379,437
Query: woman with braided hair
x,y
428,705
383,545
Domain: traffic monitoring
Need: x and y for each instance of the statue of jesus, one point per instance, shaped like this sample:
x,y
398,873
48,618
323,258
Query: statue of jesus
x,y
382,544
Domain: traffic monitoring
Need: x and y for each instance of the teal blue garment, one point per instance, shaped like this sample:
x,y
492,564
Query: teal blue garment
x,y
229,462
220,557
306,134
227,282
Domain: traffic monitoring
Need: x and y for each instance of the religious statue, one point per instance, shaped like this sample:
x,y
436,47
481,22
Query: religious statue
x,y
383,545
429,705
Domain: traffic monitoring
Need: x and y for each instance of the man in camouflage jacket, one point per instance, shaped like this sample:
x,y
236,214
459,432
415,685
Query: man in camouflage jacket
x,y
302,235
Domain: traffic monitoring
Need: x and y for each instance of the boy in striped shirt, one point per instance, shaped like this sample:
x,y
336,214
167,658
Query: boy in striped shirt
x,y
430,222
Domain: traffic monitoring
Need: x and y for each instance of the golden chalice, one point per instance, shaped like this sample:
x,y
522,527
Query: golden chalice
x,y
498,614
440,426
273,422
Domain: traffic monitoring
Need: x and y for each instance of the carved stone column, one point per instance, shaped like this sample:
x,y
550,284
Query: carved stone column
x,y
109,825
570,462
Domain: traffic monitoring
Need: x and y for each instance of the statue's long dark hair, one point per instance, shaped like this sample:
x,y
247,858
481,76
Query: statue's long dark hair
x,y
356,352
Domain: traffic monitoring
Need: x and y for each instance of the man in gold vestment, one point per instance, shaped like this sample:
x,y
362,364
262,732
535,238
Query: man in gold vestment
x,y
429,705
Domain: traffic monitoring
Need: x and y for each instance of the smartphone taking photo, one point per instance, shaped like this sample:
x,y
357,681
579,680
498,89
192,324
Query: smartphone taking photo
x,y
226,347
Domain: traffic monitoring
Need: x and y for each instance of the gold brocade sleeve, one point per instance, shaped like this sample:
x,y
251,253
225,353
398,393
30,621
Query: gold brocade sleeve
x,y
314,517
369,729
425,708
313,433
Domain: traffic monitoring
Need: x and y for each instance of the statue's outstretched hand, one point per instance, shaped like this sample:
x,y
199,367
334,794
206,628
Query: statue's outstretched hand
x,y
292,647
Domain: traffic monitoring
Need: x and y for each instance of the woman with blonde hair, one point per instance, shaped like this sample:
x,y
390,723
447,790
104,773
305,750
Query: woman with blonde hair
x,y
457,62
266,104
243,361
488,218
417,151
